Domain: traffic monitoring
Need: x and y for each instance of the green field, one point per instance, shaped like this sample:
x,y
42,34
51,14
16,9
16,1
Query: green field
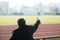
x,y
12,20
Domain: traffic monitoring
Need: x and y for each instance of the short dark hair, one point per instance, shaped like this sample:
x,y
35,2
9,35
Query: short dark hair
x,y
21,22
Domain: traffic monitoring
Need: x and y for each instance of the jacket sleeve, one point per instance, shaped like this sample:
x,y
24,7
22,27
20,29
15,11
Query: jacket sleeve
x,y
35,26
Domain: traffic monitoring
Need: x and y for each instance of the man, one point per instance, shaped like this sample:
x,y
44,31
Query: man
x,y
24,32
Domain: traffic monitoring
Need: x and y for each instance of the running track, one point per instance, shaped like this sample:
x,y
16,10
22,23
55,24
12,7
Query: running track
x,y
43,31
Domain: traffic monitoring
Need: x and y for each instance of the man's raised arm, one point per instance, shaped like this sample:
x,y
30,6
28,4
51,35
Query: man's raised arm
x,y
36,24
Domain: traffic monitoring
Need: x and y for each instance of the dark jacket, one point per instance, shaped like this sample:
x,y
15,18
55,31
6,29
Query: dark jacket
x,y
25,32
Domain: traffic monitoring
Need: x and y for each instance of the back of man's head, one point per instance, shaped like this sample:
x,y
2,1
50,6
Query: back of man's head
x,y
21,22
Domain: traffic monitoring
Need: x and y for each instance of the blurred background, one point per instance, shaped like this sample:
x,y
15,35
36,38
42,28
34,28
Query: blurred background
x,y
29,7
48,11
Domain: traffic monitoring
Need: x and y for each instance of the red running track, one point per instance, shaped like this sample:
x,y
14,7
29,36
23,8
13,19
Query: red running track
x,y
43,31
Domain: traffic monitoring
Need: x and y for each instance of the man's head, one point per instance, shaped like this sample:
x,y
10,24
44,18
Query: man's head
x,y
21,22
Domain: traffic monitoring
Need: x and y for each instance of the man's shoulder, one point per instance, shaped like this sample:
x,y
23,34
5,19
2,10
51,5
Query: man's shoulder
x,y
15,30
29,25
